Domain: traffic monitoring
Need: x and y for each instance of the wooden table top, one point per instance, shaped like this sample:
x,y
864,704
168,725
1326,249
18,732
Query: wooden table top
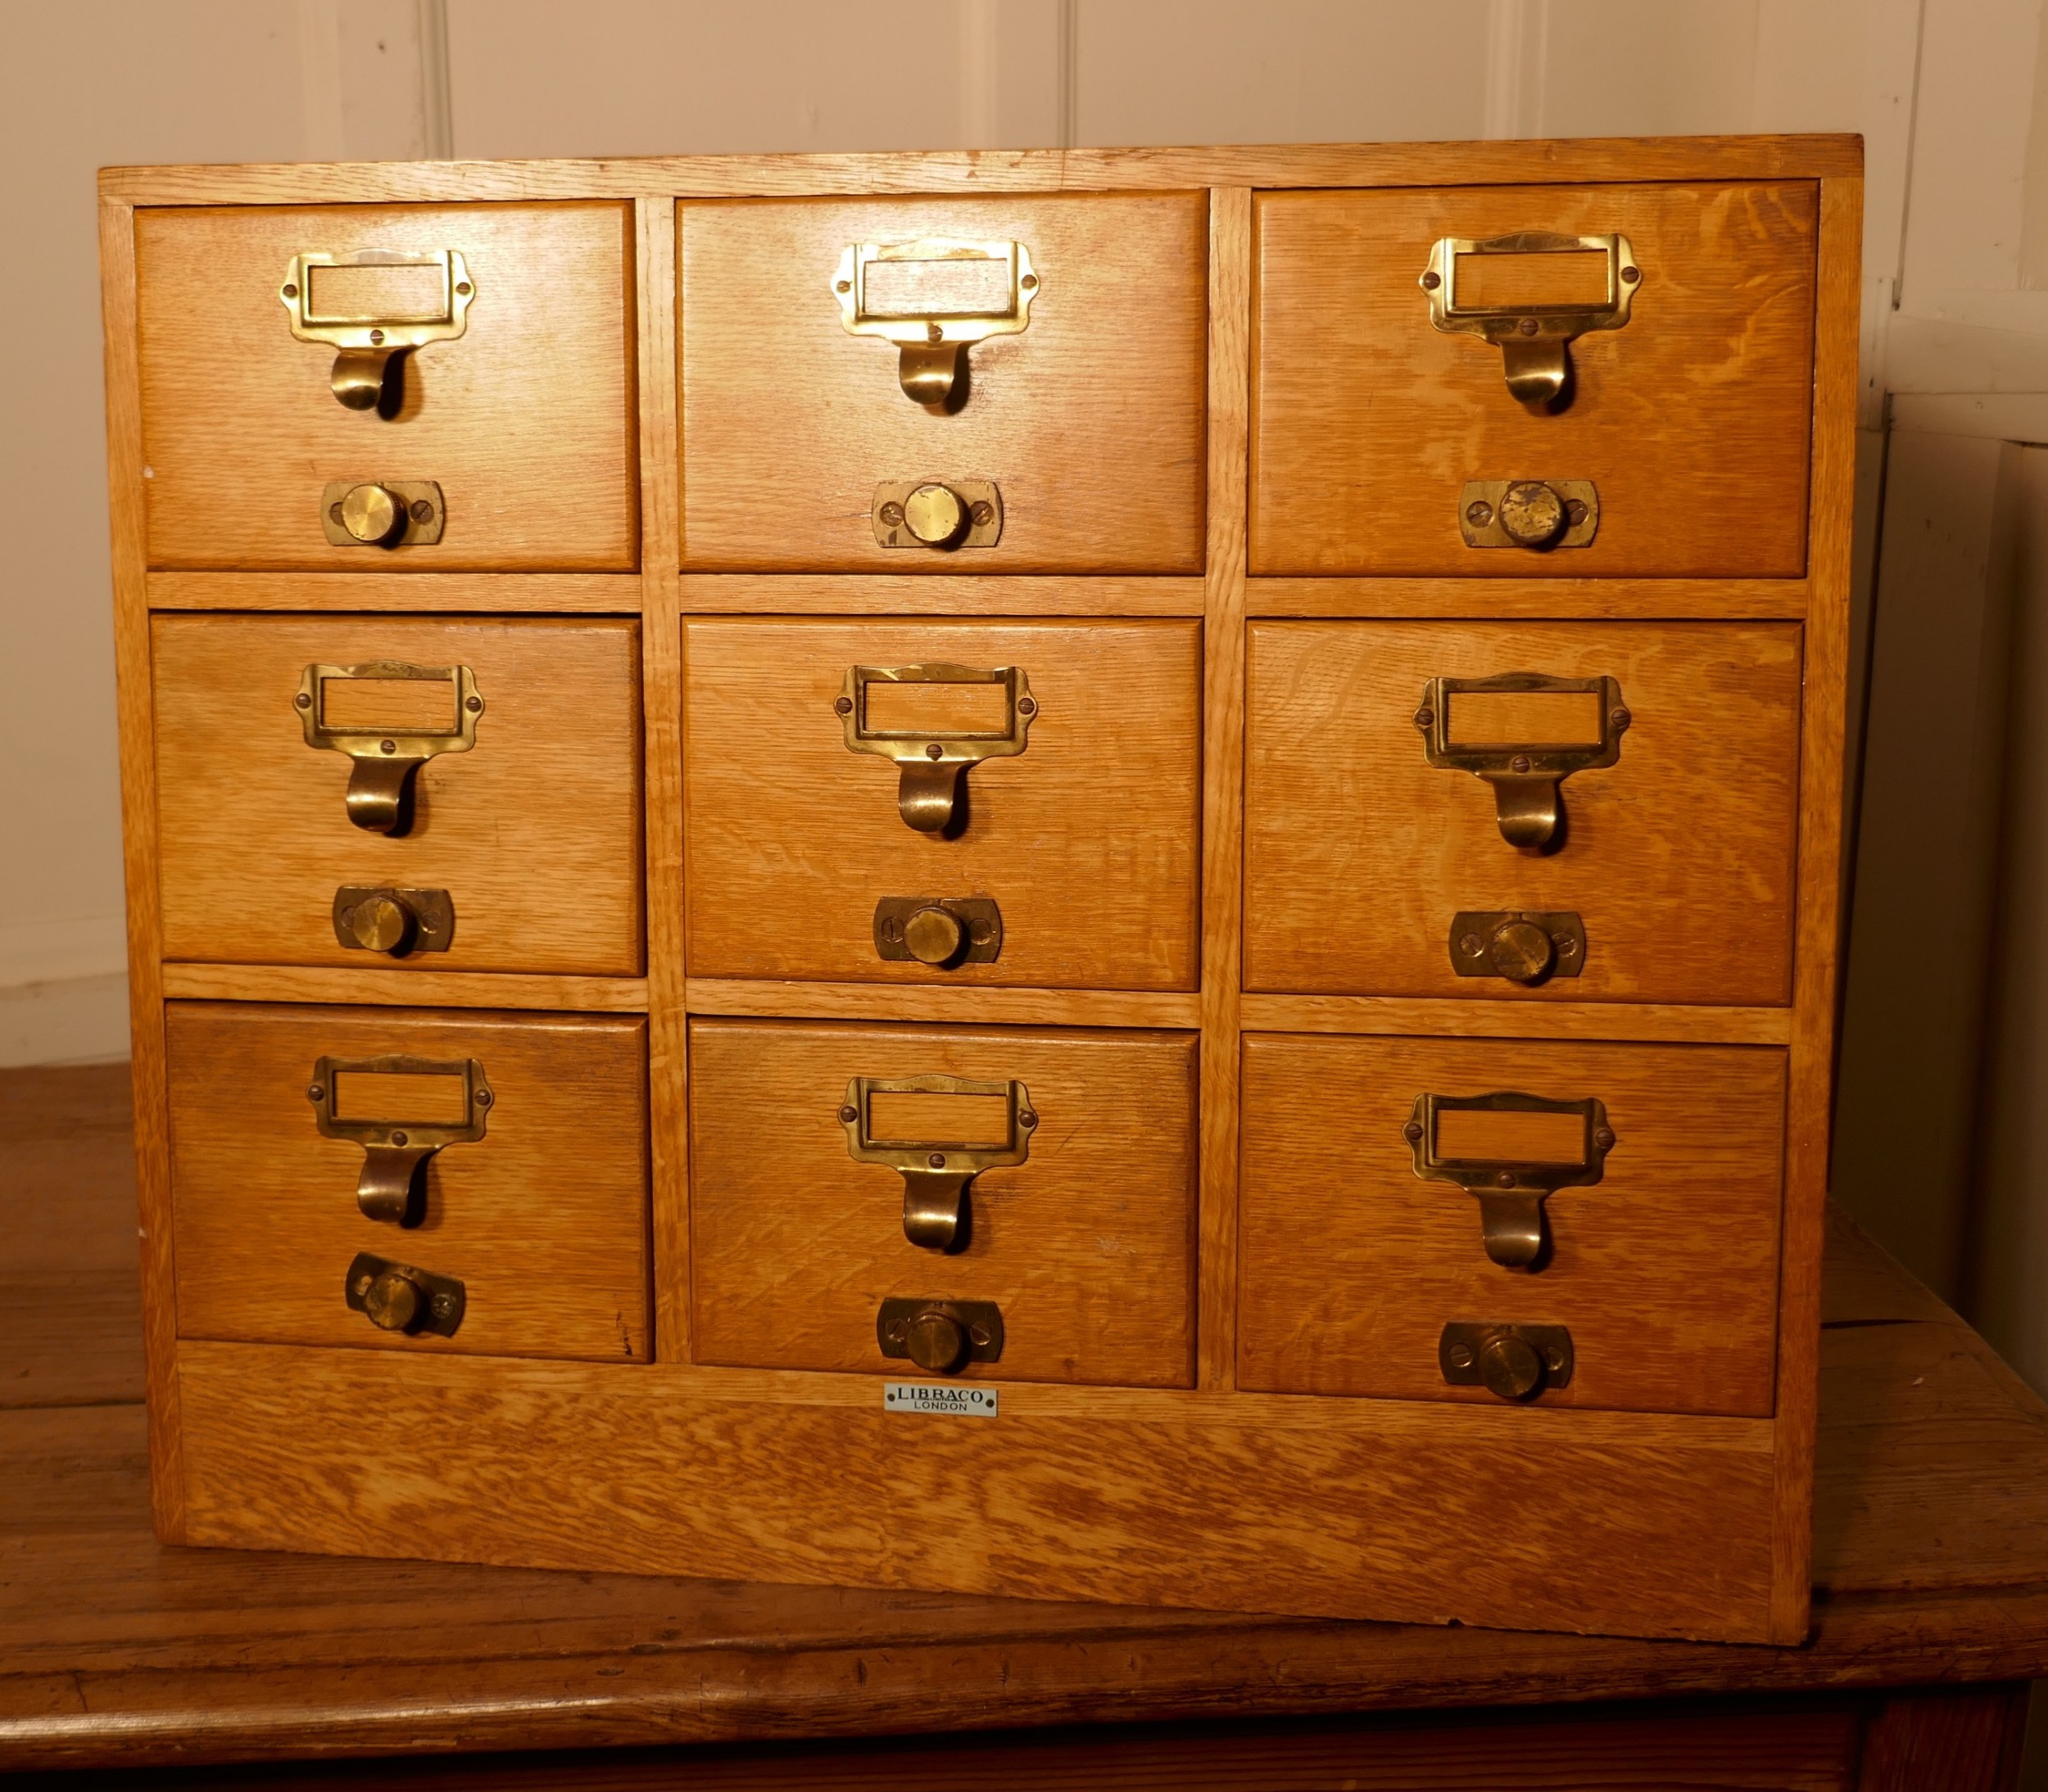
x,y
1931,1554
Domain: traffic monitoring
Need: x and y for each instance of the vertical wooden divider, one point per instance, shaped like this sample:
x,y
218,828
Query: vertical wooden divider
x,y
661,648
135,703
1223,778
1818,915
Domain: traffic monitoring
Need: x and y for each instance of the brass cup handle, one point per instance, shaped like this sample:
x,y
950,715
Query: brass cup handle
x,y
1527,808
935,1205
389,1188
379,799
1511,1224
928,793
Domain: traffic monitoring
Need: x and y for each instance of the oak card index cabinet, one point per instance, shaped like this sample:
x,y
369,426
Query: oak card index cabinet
x,y
1103,874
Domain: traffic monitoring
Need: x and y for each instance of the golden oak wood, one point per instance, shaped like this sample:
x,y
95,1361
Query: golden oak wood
x,y
1664,1271
543,1219
395,988
1086,840
789,422
884,1002
1678,857
1692,419
617,593
1086,1246
534,832
1623,599
935,594
524,421
1647,1022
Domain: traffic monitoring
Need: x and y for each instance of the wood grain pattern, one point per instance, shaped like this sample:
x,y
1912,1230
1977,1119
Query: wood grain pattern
x,y
543,1219
778,397
1647,1022
1678,857
534,832
1665,1271
1692,419
524,421
1946,1742
617,593
878,1002
934,594
1087,840
395,988
1623,599
1087,1246
138,864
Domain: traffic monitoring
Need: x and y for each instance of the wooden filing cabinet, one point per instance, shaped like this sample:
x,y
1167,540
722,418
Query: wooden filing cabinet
x,y
1101,875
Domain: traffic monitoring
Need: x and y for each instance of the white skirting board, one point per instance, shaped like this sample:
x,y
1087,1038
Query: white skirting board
x,y
65,1021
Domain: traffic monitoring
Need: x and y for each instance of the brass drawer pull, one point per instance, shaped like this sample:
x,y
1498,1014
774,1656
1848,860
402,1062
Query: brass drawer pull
x,y
934,299
1514,1362
936,1168
1510,1151
396,1297
939,1336
395,922
396,513
1524,733
400,1111
1529,514
938,513
1523,946
374,305
895,713
389,719
1534,336
942,931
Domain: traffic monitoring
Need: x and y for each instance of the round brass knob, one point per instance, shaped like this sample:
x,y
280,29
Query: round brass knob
x,y
936,1341
381,923
935,515
1510,1366
1520,951
393,1302
932,936
1532,513
373,513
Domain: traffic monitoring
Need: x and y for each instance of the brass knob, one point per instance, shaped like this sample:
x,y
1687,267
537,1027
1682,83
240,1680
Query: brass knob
x,y
1531,514
383,923
932,936
372,513
1520,951
1510,1366
936,1341
936,515
393,1301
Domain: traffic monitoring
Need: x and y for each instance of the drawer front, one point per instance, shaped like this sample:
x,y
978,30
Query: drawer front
x,y
524,421
1688,418
539,1222
1663,1272
1083,846
792,421
1082,1240
1672,862
531,834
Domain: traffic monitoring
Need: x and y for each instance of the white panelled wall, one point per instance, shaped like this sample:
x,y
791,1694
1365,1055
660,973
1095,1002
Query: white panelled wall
x,y
1943,1134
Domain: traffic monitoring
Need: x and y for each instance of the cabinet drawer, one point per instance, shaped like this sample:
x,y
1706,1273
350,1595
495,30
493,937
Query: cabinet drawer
x,y
531,834
1663,1271
1080,1236
523,422
1672,859
1082,847
541,1219
798,406
1688,419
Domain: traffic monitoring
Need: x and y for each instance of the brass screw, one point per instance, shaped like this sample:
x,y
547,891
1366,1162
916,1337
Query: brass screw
x,y
1470,944
334,510
1424,719
848,1114
983,514
463,287
1519,763
1603,1137
376,336
485,1097
981,933
399,1138
362,1286
1619,719
387,746
474,705
1029,282
1461,1357
1412,1132
934,332
980,1334
898,1331
1026,1119
1027,706
844,705
843,286
1554,1358
1565,944
291,291
443,1305
303,701
1527,326
937,1159
421,511
934,751
1479,514
1575,511
314,1092
1632,274
1505,1178
892,514
1431,281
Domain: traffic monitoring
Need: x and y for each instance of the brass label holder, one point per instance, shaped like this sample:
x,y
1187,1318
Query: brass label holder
x,y
1512,1362
382,513
369,344
393,1186
382,761
940,1336
936,1172
1525,946
397,1297
394,922
939,514
1535,340
1510,1191
931,343
942,931
1525,776
932,766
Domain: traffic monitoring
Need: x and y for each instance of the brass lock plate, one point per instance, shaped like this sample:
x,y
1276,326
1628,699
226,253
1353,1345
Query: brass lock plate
x,y
1538,514
1524,733
1515,1362
940,514
934,299
942,931
388,717
375,305
382,513
934,721
1510,1151
394,922
1524,946
939,1336
1530,293
401,1109
938,1133
397,1297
